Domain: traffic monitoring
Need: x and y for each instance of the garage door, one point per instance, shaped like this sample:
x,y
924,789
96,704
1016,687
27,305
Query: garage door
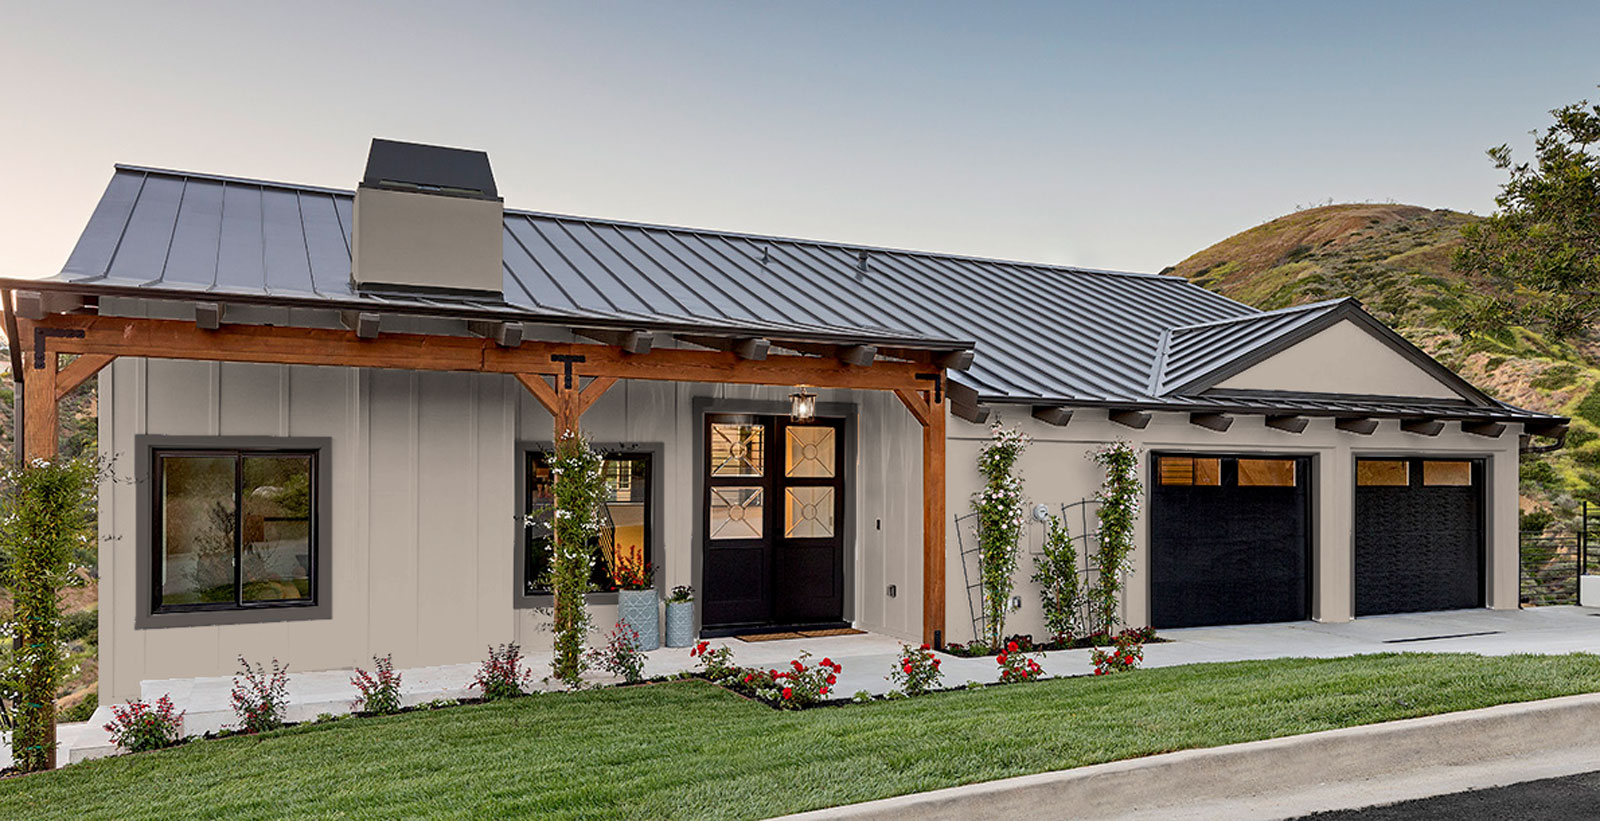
x,y
1230,540
1419,535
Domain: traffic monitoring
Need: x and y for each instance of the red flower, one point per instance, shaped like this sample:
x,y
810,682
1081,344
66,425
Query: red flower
x,y
827,662
907,668
788,692
935,662
832,679
823,691
1000,658
798,667
1011,647
927,647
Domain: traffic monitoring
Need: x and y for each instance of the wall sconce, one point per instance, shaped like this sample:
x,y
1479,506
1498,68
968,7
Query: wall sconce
x,y
802,405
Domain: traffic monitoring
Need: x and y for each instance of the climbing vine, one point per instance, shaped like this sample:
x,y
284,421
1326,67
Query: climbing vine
x,y
1119,508
578,488
1056,573
47,517
1000,523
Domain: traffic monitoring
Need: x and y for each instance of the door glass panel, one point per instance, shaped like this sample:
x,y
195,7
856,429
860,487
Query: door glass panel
x,y
1266,473
1447,474
808,512
1382,473
736,512
737,449
1185,470
197,529
809,452
276,543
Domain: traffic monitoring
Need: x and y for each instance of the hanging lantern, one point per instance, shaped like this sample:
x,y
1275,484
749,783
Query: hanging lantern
x,y
802,405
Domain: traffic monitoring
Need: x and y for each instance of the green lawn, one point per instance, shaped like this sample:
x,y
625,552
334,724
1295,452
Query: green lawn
x,y
688,749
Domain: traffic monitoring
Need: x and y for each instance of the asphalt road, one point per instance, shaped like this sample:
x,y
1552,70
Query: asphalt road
x,y
1571,797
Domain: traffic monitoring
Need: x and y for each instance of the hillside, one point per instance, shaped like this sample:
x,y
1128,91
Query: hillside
x,y
1396,260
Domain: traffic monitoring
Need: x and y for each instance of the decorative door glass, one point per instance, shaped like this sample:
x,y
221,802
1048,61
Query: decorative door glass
x,y
738,449
809,452
736,512
808,512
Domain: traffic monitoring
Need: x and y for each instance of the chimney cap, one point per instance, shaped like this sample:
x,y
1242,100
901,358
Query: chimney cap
x,y
431,168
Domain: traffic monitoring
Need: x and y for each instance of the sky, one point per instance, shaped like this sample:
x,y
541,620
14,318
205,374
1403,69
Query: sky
x,y
1124,136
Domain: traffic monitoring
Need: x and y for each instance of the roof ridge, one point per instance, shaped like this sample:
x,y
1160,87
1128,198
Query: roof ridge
x,y
523,212
1308,307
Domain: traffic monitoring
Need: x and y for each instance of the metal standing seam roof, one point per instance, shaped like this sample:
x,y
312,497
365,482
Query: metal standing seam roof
x,y
1043,332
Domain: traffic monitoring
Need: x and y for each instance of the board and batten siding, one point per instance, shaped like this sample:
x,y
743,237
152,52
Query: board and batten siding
x,y
425,523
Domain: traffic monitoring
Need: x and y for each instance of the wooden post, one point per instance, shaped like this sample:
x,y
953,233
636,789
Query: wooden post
x,y
933,510
42,437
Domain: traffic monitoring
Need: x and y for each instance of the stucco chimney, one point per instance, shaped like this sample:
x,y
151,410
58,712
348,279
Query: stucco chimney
x,y
427,217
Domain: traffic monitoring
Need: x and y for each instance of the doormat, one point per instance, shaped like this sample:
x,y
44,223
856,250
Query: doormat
x,y
836,631
769,637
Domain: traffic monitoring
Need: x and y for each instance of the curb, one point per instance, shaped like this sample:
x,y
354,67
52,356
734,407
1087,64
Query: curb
x,y
1255,768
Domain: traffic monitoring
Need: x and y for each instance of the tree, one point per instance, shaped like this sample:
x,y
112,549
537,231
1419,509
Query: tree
x,y
1544,239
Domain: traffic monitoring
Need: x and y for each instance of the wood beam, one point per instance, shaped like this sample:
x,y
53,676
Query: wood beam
x,y
752,348
1138,420
933,521
541,391
917,403
366,324
80,370
170,339
1052,415
37,305
208,315
1489,429
631,341
592,392
1357,424
860,356
42,435
1424,427
976,414
1219,422
504,334
1288,423
960,394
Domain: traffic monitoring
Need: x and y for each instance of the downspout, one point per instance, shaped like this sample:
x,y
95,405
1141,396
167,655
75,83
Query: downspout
x,y
1561,442
18,402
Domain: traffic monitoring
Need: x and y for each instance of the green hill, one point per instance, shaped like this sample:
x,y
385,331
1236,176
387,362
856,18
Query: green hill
x,y
1396,260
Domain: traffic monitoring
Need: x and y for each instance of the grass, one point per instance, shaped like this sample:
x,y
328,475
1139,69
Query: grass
x,y
688,749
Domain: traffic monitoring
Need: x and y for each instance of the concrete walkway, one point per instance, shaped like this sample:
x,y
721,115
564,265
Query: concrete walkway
x,y
868,658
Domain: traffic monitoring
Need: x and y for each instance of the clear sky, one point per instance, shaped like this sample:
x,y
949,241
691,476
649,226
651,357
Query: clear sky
x,y
1101,134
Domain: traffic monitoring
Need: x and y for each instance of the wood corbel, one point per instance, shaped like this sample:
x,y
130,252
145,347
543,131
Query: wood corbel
x,y
1052,414
1422,427
1219,422
366,324
80,370
1138,420
504,334
635,342
752,348
1288,423
1484,428
1362,425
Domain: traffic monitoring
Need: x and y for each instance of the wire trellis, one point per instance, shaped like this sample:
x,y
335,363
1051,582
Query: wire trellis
x,y
1085,537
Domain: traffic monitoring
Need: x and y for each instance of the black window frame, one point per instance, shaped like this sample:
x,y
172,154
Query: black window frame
x,y
150,613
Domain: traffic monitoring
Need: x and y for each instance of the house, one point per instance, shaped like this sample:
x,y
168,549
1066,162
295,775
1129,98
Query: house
x,y
326,410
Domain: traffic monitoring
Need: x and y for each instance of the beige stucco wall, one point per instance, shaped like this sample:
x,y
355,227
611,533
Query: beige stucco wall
x,y
1344,358
1056,470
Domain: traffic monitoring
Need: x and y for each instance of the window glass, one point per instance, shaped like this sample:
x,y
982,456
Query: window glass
x,y
624,537
738,449
1266,473
737,512
1382,473
235,528
1447,474
1187,470
808,512
808,451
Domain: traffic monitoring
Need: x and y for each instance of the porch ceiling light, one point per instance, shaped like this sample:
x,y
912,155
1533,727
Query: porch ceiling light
x,y
802,405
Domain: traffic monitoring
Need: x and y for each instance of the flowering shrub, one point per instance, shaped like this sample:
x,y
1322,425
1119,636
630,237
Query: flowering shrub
x,y
502,674
802,685
137,726
628,575
682,594
1015,667
1000,523
260,699
577,489
716,665
917,672
380,689
1119,508
1056,573
621,656
1126,652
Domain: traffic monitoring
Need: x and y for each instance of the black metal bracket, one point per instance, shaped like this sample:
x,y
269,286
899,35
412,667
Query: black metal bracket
x,y
41,334
938,385
568,360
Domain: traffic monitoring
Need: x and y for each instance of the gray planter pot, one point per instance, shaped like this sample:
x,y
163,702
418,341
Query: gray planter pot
x,y
680,624
641,609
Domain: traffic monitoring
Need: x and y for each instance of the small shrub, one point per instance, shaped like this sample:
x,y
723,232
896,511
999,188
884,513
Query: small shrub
x,y
861,697
1125,654
1056,573
1015,667
502,675
260,699
682,594
917,671
716,665
800,686
380,689
621,655
84,624
137,726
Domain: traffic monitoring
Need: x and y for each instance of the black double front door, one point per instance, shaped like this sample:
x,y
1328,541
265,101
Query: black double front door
x,y
773,519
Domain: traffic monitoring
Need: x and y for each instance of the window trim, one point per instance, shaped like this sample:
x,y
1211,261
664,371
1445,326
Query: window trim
x,y
146,616
654,551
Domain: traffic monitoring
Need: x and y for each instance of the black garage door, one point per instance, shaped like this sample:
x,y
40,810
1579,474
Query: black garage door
x,y
1230,540
1419,535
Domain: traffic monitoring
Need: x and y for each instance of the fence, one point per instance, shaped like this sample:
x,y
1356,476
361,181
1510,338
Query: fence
x,y
1553,559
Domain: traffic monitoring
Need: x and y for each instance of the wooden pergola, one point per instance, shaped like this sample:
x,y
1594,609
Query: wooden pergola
x,y
566,378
